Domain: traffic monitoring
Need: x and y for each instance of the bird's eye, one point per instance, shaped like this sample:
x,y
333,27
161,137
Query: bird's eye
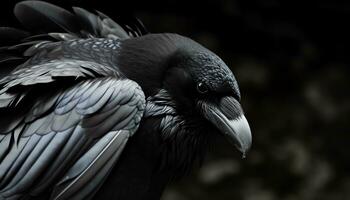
x,y
202,88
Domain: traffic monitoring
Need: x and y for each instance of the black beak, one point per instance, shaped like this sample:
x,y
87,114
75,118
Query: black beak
x,y
227,116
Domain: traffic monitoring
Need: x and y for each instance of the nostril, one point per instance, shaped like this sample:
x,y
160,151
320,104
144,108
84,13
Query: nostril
x,y
230,107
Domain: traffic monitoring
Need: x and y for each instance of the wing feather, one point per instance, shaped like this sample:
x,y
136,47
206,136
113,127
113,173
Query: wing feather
x,y
43,16
88,166
69,113
75,145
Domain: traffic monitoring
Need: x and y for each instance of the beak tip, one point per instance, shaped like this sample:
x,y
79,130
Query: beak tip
x,y
243,135
235,129
244,150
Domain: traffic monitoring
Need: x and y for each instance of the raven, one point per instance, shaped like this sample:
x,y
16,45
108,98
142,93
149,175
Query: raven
x,y
93,109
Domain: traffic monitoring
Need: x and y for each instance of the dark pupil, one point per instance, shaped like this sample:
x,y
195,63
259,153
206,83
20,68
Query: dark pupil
x,y
202,88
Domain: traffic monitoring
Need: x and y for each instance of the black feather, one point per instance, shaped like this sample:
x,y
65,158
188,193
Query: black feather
x,y
67,103
43,36
45,17
9,35
7,58
111,27
8,63
25,45
87,20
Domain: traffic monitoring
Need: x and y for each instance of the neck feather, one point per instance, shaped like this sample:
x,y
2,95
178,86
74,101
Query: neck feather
x,y
145,59
185,139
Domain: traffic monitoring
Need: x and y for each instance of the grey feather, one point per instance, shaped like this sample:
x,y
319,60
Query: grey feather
x,y
54,140
90,165
66,101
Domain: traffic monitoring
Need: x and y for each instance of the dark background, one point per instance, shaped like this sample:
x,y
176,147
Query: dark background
x,y
291,60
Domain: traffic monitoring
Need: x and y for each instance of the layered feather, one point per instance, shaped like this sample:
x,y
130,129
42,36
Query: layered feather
x,y
48,23
63,98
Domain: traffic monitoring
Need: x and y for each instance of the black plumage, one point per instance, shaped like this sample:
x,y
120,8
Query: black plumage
x,y
91,109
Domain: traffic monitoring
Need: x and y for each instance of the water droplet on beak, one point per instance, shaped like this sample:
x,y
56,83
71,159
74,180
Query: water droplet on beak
x,y
243,155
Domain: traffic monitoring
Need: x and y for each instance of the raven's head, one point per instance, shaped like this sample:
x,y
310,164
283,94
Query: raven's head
x,y
200,84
